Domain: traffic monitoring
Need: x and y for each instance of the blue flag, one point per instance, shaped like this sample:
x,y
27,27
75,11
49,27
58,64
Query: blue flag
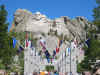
x,y
65,53
61,41
48,60
20,49
47,54
88,42
54,52
32,44
14,42
68,50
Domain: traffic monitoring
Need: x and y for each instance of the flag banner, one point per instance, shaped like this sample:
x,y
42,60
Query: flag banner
x,y
54,53
47,54
21,48
75,41
57,50
29,44
42,44
87,42
26,43
68,50
60,43
26,40
48,60
32,45
65,53
44,49
14,42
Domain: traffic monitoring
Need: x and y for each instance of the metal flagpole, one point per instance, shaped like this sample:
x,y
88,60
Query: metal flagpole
x,y
24,53
26,57
65,61
70,60
62,62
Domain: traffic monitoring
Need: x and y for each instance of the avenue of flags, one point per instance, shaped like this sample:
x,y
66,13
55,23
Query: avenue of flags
x,y
28,43
46,52
49,57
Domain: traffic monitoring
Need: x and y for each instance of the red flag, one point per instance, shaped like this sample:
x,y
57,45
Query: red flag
x,y
57,50
43,46
75,41
26,41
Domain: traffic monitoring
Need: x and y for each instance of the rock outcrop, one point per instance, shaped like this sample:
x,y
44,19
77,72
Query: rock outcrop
x,y
38,23
62,28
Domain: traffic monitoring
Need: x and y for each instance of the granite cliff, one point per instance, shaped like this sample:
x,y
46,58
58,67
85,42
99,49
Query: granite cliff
x,y
64,28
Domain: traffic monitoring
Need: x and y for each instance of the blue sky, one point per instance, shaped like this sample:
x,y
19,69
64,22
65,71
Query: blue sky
x,y
52,8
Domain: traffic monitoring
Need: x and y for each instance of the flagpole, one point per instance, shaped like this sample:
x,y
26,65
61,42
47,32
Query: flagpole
x,y
70,60
62,62
65,61
25,52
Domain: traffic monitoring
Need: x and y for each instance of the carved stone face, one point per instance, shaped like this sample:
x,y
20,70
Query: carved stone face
x,y
18,16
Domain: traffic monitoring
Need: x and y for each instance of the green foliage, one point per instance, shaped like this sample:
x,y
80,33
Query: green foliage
x,y
79,68
21,60
91,55
93,52
96,15
6,49
2,66
49,68
94,49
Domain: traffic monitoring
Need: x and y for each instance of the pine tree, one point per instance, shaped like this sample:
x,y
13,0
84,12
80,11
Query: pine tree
x,y
96,15
93,52
6,50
